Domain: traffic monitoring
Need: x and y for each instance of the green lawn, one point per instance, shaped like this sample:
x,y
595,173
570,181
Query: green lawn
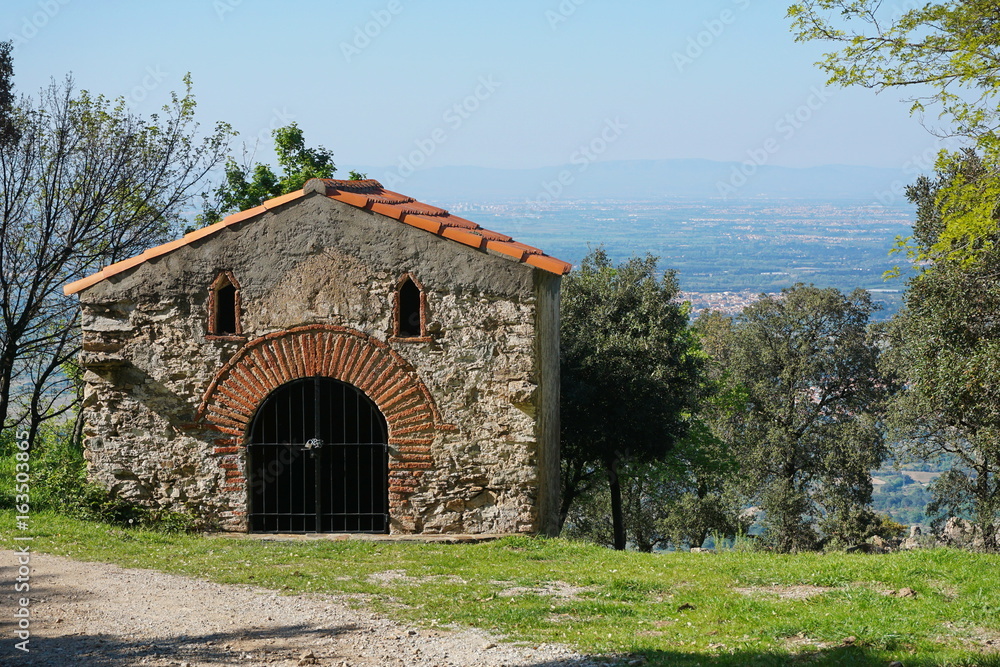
x,y
675,609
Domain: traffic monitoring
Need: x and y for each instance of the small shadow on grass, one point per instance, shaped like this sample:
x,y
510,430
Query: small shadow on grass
x,y
847,655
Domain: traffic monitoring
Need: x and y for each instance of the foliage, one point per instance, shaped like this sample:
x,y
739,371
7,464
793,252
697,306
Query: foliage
x,y
945,347
8,130
662,506
629,378
675,501
949,53
617,607
84,182
247,186
59,484
948,50
807,434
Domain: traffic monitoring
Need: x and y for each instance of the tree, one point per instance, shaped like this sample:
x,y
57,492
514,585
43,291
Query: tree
x,y
678,500
948,53
8,132
629,379
83,183
945,348
806,437
248,186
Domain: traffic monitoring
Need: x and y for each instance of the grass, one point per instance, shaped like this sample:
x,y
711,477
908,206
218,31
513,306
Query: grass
x,y
731,608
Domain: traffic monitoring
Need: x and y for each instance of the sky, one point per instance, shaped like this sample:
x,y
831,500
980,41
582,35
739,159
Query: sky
x,y
509,84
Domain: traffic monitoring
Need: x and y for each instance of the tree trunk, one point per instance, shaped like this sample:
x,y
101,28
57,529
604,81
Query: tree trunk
x,y
78,423
570,491
617,517
985,514
6,376
702,493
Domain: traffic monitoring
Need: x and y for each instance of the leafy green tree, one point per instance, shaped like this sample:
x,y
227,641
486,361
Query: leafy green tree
x,y
945,348
83,183
248,186
806,437
629,378
684,497
676,501
948,54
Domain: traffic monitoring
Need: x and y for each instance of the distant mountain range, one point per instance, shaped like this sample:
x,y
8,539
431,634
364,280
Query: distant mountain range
x,y
646,180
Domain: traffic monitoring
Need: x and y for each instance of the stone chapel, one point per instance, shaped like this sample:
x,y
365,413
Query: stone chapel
x,y
339,359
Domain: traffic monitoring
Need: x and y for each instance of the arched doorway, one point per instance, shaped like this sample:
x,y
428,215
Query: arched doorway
x,y
318,460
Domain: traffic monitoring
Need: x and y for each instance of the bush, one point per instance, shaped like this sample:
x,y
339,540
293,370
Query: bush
x,y
59,483
660,509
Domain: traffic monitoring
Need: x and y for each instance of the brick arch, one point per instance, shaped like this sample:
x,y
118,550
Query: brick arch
x,y
264,364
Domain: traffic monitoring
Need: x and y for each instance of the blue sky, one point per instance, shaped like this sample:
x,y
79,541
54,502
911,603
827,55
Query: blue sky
x,y
511,83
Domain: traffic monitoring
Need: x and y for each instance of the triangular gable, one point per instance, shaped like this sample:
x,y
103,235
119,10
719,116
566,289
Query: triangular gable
x,y
367,194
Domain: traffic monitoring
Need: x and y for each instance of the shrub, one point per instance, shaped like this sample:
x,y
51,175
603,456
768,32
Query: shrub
x,y
59,483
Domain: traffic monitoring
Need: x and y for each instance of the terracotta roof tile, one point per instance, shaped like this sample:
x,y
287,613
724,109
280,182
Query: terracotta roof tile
x,y
490,235
352,198
366,194
387,197
419,208
550,264
531,250
428,224
462,223
506,249
369,194
283,199
395,212
462,236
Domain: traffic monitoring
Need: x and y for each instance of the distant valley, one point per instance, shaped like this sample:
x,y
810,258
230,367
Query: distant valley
x,y
830,226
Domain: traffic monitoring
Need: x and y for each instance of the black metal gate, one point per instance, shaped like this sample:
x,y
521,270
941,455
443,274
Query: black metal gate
x,y
318,461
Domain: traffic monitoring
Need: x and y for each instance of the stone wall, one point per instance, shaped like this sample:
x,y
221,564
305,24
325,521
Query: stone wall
x,y
472,407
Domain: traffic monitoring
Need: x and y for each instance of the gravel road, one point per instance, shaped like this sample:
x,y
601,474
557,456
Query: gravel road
x,y
103,615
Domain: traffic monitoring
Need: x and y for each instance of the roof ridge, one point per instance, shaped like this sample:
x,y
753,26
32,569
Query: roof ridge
x,y
357,185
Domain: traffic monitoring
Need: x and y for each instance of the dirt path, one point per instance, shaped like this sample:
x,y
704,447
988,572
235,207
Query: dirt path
x,y
103,615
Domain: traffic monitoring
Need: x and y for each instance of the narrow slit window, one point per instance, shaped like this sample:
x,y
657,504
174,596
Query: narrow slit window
x,y
226,310
410,323
224,306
